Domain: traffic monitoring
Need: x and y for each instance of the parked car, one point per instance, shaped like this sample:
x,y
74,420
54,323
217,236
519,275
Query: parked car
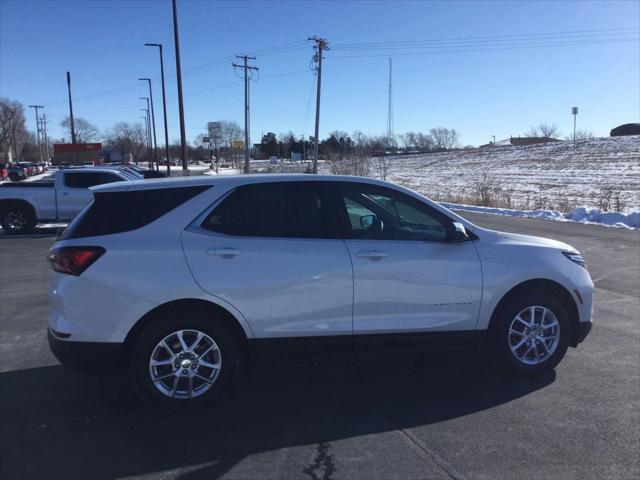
x,y
57,199
4,173
29,168
177,279
16,172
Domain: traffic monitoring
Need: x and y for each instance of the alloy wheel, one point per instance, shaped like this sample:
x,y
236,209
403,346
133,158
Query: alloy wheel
x,y
185,364
534,335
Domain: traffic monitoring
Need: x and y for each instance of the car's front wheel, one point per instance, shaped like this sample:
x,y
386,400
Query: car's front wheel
x,y
183,360
531,333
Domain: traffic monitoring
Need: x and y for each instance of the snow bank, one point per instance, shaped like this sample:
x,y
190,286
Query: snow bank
x,y
582,215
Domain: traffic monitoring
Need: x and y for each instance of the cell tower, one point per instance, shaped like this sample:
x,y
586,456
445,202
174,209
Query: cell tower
x,y
390,109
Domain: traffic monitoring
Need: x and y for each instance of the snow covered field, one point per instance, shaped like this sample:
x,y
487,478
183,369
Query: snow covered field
x,y
554,176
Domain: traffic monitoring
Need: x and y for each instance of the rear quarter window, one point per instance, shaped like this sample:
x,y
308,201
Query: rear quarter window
x,y
117,212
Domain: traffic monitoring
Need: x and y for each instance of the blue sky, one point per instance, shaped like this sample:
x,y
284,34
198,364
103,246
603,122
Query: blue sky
x,y
481,87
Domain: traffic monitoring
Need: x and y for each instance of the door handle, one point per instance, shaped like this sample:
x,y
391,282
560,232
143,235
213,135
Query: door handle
x,y
372,254
65,193
224,252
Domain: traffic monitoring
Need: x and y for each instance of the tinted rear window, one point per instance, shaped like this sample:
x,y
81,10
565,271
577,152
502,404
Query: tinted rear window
x,y
89,179
117,212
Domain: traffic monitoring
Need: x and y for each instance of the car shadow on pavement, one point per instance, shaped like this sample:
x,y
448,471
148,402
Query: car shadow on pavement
x,y
59,424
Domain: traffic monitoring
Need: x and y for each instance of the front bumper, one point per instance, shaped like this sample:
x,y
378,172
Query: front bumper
x,y
87,357
582,331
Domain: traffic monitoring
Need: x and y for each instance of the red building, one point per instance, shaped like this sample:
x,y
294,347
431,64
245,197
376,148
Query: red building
x,y
77,153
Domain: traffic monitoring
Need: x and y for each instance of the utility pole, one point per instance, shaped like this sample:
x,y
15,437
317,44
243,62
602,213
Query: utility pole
x,y
390,109
164,106
153,122
73,129
247,68
13,134
574,112
46,137
150,137
320,45
36,107
183,139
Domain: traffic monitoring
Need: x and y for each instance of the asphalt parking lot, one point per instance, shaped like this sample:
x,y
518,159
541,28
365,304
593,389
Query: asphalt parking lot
x,y
375,416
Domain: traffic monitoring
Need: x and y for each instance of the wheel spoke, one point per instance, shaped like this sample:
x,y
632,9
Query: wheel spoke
x,y
515,332
159,379
544,344
532,316
174,388
215,366
159,363
551,325
183,344
521,320
190,388
168,348
196,342
204,379
527,352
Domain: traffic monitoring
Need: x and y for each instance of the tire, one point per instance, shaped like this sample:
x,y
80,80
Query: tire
x,y
14,177
542,349
17,219
223,350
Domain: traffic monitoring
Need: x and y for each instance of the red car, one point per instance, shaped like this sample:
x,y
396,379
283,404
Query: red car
x,y
3,171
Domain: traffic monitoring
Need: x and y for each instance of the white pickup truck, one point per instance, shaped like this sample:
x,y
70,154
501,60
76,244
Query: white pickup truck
x,y
58,198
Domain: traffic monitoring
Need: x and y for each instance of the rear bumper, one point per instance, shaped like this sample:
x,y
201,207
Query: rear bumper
x,y
87,357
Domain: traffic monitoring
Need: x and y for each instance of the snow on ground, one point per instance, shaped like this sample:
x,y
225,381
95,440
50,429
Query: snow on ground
x,y
551,176
582,215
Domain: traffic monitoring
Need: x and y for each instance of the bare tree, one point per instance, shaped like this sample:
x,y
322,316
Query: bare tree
x,y
86,132
444,138
546,130
13,130
382,165
581,135
128,138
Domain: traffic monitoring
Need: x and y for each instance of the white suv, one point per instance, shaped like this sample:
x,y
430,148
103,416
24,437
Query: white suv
x,y
177,279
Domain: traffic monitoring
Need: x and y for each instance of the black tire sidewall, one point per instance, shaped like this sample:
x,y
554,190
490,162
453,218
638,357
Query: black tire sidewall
x,y
31,221
508,312
160,327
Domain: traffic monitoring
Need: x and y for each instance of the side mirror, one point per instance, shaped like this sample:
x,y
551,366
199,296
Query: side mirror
x,y
366,221
458,233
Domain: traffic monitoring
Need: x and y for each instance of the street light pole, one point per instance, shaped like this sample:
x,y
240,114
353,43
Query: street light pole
x,y
164,105
148,129
149,132
183,139
574,111
153,122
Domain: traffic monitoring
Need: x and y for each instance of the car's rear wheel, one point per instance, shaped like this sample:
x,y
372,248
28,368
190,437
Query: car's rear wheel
x,y
531,332
17,219
183,359
14,177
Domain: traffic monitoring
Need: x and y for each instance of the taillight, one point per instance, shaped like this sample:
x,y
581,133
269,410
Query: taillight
x,y
74,260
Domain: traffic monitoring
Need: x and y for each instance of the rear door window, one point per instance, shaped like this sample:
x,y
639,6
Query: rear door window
x,y
279,209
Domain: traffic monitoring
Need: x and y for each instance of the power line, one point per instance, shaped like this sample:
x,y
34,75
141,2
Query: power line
x,y
492,38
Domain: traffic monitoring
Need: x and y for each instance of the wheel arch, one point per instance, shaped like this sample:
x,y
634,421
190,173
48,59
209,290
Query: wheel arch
x,y
220,313
550,286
